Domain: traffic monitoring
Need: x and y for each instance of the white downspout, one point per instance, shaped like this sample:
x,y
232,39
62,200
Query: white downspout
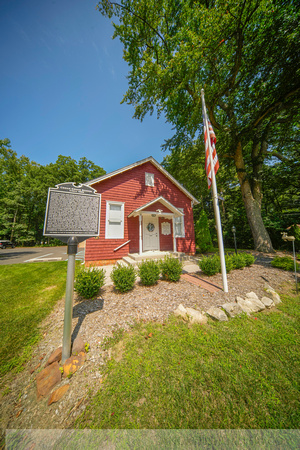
x,y
140,235
174,238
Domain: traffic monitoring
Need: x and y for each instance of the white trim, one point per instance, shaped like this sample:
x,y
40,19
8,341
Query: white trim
x,y
138,163
108,203
166,203
182,235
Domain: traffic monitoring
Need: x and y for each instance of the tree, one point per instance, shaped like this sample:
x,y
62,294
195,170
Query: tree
x,y
24,188
245,54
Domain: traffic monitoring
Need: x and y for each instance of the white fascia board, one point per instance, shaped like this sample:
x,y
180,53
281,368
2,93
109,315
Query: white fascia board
x,y
139,163
162,200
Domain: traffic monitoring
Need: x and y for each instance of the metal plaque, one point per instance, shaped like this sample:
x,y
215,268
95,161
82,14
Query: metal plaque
x,y
72,211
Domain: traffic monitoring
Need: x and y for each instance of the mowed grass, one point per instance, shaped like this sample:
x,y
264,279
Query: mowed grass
x,y
28,294
239,374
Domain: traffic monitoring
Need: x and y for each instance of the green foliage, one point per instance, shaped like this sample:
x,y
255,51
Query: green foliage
x,y
89,281
245,55
229,263
123,277
171,268
210,265
24,188
249,259
238,261
202,233
25,302
149,272
284,262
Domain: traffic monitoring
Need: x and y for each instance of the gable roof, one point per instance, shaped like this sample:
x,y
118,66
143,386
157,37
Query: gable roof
x,y
163,201
139,163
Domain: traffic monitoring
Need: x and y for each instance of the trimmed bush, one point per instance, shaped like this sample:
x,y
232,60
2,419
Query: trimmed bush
x,y
123,277
89,281
229,263
171,269
285,263
238,261
149,272
210,265
248,259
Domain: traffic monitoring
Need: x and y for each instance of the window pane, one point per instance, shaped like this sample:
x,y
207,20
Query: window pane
x,y
115,207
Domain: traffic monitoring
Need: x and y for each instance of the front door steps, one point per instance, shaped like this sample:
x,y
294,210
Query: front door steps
x,y
135,258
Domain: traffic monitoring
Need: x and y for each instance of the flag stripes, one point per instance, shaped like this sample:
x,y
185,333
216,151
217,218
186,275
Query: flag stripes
x,y
213,141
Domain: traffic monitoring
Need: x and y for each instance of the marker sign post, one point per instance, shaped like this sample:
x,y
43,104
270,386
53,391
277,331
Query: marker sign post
x,y
72,216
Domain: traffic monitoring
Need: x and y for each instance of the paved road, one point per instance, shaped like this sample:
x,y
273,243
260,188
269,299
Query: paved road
x,y
34,254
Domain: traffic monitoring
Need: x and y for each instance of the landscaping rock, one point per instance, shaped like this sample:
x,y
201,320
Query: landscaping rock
x,y
232,309
58,393
47,379
274,296
55,356
196,316
217,314
250,305
252,295
181,311
267,302
78,346
73,363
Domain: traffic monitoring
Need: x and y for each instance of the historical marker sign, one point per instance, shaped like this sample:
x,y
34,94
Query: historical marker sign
x,y
72,211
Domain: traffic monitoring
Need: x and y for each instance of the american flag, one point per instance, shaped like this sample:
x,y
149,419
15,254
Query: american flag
x,y
213,141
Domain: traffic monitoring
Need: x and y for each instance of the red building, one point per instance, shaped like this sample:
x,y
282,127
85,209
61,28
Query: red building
x,y
143,208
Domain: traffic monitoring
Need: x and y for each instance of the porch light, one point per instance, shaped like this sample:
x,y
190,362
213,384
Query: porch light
x,y
153,215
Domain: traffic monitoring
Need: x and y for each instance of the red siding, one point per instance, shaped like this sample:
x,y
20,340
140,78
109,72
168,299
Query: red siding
x,y
129,187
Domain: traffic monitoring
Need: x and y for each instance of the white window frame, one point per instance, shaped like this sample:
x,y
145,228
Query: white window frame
x,y
179,220
108,235
149,179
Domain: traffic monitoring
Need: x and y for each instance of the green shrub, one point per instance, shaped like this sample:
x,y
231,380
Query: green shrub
x,y
229,263
89,281
123,277
149,272
210,265
171,269
202,233
248,259
284,262
238,261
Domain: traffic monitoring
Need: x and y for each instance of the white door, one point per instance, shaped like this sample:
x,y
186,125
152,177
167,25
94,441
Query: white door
x,y
150,233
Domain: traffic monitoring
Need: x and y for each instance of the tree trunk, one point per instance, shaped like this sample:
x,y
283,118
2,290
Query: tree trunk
x,y
262,241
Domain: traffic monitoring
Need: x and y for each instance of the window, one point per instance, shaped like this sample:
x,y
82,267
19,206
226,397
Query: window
x,y
114,220
149,179
179,225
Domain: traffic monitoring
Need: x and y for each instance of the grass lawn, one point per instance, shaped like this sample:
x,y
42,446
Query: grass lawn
x,y
28,294
239,374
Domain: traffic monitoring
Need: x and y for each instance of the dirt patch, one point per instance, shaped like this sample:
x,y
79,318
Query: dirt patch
x,y
96,319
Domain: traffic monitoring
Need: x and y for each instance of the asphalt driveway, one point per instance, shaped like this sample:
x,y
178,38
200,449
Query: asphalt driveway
x,y
19,255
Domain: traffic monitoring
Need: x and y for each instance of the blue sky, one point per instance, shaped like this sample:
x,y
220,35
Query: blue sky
x,y
62,79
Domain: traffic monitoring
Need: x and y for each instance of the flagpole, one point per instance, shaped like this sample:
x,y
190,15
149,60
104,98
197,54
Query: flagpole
x,y
215,200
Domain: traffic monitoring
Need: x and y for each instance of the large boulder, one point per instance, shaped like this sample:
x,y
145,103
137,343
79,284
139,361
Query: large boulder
x,y
196,316
233,309
181,311
47,379
267,302
273,295
217,314
250,305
